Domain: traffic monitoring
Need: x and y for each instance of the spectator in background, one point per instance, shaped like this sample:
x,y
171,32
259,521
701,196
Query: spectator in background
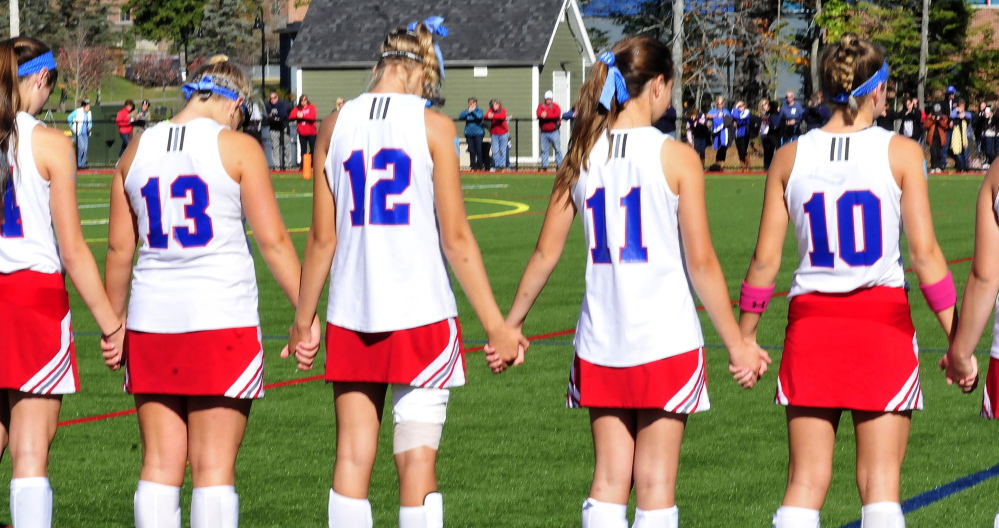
x,y
978,128
667,123
937,124
140,119
951,99
81,123
255,124
960,140
886,120
990,137
721,131
305,114
549,121
743,119
790,116
499,132
124,121
912,120
698,131
472,116
769,131
817,114
277,120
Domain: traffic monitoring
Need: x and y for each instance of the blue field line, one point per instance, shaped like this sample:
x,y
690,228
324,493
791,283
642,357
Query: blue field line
x,y
942,492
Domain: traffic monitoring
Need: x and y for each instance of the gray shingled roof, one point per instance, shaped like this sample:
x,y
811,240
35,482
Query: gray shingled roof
x,y
348,33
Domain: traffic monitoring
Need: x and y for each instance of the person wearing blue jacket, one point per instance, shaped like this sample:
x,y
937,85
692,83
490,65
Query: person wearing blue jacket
x,y
742,117
473,132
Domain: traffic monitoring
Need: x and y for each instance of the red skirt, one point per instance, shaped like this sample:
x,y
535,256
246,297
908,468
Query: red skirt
x,y
678,384
37,353
227,362
852,351
991,393
428,356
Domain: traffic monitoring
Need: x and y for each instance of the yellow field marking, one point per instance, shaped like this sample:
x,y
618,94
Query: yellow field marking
x,y
517,208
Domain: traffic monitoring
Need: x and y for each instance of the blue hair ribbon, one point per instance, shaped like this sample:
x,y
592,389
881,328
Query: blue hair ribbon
x,y
869,86
207,84
614,84
37,64
436,26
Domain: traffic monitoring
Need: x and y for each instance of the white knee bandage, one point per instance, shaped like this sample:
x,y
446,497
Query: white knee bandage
x,y
419,416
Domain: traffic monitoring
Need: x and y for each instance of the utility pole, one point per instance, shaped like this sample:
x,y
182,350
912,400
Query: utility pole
x,y
924,44
816,41
15,19
678,63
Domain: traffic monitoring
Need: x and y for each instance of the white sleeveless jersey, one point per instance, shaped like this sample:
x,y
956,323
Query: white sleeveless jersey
x,y
846,209
195,271
388,271
27,239
638,306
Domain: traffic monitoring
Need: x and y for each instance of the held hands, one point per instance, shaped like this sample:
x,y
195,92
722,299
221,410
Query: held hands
x,y
305,350
113,347
748,362
958,370
506,348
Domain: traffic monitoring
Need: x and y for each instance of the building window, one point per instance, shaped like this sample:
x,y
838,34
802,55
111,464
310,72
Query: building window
x,y
126,15
276,8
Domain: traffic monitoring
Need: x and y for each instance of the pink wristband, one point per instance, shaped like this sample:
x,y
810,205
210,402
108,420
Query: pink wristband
x,y
754,299
941,294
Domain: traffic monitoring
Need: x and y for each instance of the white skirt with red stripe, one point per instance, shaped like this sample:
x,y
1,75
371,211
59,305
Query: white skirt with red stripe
x,y
678,384
227,362
37,353
428,356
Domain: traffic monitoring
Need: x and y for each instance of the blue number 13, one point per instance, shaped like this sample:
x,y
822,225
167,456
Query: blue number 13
x,y
633,251
182,187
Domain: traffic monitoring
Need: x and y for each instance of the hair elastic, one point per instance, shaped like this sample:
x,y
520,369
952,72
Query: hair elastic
x,y
754,299
941,294
37,64
614,84
867,87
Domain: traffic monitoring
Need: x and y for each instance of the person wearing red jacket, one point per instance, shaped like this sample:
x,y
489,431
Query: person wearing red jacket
x,y
500,133
124,122
549,120
305,115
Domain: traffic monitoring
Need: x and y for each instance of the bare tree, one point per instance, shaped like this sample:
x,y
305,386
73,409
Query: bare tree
x,y
154,70
86,66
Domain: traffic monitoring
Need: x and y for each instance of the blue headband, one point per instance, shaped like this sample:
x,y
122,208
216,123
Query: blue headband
x,y
436,26
869,86
37,64
206,84
614,83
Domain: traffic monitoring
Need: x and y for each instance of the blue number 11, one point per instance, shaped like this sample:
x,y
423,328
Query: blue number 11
x,y
633,251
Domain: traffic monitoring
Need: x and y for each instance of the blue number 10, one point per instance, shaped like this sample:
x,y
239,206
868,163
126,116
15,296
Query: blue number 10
x,y
633,251
870,208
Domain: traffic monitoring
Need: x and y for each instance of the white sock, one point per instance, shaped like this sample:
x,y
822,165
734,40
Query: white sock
x,y
430,515
31,502
598,514
157,505
215,507
349,513
795,517
666,518
882,515
996,523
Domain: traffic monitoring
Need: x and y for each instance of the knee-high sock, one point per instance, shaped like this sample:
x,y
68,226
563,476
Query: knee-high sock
x,y
215,507
882,515
157,505
598,514
795,517
665,518
430,515
31,502
349,513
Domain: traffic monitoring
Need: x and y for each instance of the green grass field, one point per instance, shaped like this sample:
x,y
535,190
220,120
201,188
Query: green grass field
x,y
512,455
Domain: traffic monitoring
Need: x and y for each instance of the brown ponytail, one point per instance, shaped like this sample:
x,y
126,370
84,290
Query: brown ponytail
x,y
846,65
640,60
13,53
410,48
